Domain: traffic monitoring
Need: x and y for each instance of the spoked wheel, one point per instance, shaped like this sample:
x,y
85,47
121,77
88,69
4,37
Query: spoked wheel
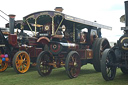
x,y
99,46
73,64
43,63
124,70
107,68
21,62
3,66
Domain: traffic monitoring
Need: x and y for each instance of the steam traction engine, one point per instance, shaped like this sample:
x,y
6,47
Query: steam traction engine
x,y
117,56
17,49
73,42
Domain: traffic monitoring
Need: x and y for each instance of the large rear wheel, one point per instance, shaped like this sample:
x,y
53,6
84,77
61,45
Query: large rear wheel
x,y
99,46
73,64
43,63
107,65
21,62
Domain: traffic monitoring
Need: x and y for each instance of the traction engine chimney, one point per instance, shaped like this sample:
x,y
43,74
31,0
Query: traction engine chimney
x,y
126,13
59,9
11,23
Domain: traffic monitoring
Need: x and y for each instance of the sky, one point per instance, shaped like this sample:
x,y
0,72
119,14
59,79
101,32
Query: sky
x,y
106,12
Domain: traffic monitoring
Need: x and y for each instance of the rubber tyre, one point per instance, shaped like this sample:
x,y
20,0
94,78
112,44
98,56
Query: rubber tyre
x,y
108,71
97,52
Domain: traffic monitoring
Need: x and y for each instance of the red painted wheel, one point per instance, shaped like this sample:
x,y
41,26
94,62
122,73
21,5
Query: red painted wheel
x,y
73,64
43,61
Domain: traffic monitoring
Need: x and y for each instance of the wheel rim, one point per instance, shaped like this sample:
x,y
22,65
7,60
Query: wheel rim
x,y
74,65
99,46
3,66
107,68
104,45
110,70
44,66
22,62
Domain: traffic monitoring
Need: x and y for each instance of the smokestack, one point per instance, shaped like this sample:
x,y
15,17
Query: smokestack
x,y
11,23
59,9
126,13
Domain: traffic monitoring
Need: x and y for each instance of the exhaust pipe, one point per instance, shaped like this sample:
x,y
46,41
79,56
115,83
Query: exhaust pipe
x,y
126,13
58,9
11,23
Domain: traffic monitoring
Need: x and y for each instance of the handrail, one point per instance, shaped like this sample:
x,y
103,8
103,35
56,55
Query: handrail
x,y
59,25
30,27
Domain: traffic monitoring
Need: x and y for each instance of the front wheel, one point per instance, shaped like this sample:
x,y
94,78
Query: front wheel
x,y
43,63
3,65
21,62
3,61
73,64
107,65
124,70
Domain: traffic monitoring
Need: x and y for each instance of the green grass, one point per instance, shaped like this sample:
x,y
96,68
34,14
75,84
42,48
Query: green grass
x,y
87,76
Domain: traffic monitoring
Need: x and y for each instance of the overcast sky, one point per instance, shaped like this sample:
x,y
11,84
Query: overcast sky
x,y
106,12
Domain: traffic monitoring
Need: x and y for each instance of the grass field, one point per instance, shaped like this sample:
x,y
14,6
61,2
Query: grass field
x,y
88,76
